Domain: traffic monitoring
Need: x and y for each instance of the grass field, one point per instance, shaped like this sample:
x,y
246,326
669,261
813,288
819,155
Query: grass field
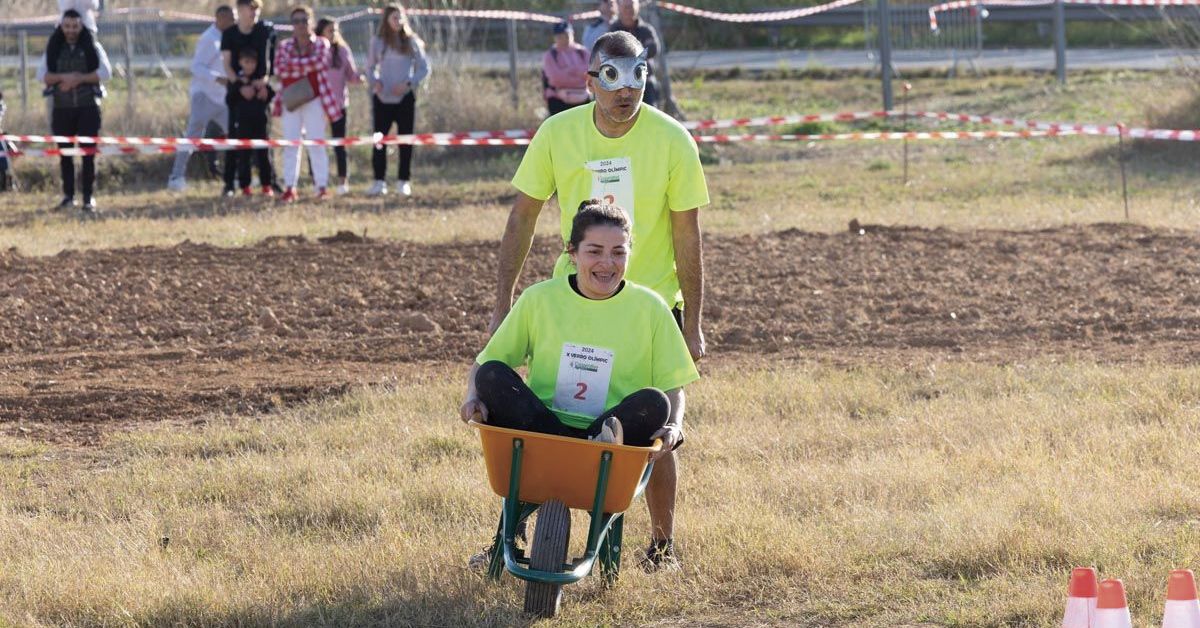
x,y
913,490
928,494
819,187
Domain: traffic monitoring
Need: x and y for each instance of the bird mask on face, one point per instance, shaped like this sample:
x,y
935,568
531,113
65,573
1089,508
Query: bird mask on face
x,y
618,72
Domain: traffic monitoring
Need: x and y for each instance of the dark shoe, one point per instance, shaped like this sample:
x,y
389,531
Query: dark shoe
x,y
660,556
67,203
89,208
480,560
228,193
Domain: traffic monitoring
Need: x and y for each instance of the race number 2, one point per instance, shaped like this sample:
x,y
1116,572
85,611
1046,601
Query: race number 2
x,y
583,377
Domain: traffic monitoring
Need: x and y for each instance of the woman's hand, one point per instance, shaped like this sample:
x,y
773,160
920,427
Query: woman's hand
x,y
473,410
400,90
376,88
670,435
247,92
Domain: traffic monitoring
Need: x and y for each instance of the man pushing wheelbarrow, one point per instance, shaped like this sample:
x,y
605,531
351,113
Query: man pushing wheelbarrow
x,y
607,363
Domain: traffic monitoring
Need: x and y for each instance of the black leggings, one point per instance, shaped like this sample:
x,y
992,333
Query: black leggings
x,y
401,114
511,404
248,123
339,152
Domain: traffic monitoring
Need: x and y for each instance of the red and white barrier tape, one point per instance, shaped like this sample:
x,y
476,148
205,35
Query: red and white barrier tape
x,y
721,138
1030,128
501,14
882,135
1107,130
766,16
441,139
962,4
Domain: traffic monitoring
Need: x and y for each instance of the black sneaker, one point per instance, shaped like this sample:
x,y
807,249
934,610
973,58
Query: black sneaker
x,y
228,193
67,203
660,556
89,207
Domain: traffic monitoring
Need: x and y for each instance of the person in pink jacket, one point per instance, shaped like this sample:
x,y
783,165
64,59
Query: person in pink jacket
x,y
564,71
341,73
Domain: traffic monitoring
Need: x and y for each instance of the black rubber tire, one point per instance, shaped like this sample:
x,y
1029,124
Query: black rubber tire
x,y
548,552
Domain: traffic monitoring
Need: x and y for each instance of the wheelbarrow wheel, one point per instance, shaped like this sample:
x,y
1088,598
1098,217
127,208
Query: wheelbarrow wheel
x,y
551,535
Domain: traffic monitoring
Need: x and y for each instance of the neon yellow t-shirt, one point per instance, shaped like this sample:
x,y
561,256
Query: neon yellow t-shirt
x,y
586,355
650,171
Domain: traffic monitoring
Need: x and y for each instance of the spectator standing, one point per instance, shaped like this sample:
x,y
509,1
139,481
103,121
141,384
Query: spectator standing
x,y
629,20
249,32
564,71
305,101
396,65
207,93
600,25
341,73
248,107
76,75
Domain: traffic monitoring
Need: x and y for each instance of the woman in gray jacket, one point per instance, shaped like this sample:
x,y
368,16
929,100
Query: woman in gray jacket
x,y
396,65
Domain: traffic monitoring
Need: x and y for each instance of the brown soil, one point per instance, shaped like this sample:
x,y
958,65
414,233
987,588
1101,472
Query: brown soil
x,y
97,339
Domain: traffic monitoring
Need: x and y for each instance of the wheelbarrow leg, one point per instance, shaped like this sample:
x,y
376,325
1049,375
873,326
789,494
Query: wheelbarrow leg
x,y
610,551
496,564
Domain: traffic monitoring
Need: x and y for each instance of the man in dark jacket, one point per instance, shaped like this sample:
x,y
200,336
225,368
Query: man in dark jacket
x,y
250,31
76,75
628,20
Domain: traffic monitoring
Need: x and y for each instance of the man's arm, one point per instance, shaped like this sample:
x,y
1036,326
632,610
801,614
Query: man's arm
x,y
227,60
672,432
689,266
514,248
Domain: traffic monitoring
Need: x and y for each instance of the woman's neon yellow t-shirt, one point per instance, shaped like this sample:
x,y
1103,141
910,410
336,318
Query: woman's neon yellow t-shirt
x,y
586,355
652,170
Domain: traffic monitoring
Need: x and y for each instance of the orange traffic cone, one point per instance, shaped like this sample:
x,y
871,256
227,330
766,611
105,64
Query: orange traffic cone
x,y
1081,599
1111,609
1183,609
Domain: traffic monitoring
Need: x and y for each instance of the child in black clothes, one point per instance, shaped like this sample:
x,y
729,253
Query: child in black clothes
x,y
248,108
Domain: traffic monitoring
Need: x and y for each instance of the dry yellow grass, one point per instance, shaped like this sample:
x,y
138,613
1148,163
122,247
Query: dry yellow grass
x,y
1022,184
946,494
928,494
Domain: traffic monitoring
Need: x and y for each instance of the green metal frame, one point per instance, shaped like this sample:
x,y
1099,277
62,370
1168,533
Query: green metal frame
x,y
604,532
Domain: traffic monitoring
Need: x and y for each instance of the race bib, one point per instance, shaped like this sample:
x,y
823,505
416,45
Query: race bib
x,y
583,376
612,182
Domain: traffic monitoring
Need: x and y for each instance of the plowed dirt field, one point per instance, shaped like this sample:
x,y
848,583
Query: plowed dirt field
x,y
97,339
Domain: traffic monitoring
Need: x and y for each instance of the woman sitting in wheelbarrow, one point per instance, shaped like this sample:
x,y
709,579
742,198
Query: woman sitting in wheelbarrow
x,y
606,358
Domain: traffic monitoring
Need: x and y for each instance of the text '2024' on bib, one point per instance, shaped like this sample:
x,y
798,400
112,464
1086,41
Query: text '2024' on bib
x,y
612,182
583,376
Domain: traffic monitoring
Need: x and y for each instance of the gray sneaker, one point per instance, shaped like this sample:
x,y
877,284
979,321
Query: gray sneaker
x,y
610,432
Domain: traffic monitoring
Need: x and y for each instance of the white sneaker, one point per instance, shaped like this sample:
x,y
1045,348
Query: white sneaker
x,y
176,184
379,188
343,189
403,188
611,432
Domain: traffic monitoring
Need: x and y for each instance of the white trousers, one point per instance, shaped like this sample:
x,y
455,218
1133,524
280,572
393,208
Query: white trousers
x,y
307,122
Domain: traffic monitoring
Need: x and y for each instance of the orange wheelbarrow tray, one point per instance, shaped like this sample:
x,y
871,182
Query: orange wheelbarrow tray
x,y
529,469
